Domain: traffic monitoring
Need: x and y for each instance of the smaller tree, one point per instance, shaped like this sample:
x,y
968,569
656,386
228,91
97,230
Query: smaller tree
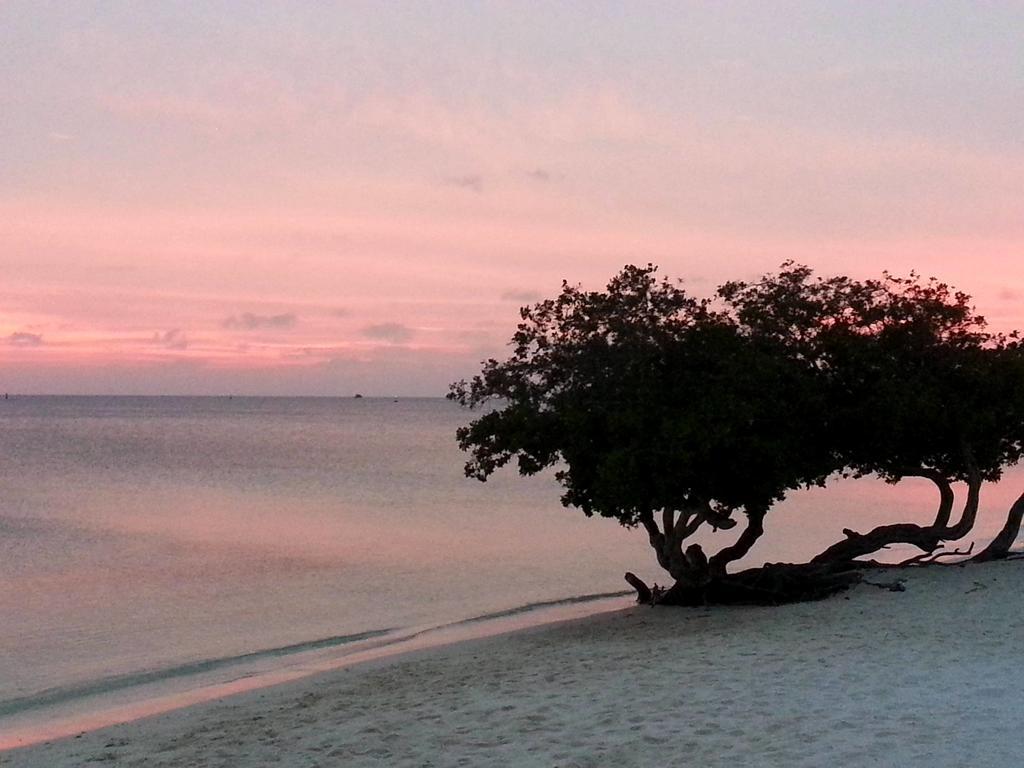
x,y
1003,414
917,386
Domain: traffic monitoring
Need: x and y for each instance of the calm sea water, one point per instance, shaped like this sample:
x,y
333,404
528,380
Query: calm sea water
x,y
151,538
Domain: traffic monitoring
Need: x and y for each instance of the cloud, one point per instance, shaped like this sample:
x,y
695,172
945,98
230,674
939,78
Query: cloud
x,y
1008,294
250,322
22,339
471,182
172,339
525,297
395,333
340,312
539,174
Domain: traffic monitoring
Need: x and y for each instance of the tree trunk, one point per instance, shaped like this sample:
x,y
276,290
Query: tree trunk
x,y
668,544
1000,546
772,584
699,580
659,542
691,569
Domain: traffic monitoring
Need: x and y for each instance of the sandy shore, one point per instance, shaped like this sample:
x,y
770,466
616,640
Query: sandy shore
x,y
932,676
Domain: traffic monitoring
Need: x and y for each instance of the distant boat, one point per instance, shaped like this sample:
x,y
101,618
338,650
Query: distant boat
x,y
357,396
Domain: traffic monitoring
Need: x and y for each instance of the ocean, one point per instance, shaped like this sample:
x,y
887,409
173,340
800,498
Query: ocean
x,y
160,545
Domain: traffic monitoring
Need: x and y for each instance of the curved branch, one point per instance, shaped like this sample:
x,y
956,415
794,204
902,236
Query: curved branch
x,y
924,538
927,538
667,548
946,497
689,529
691,519
946,494
970,513
653,533
755,528
999,549
656,538
688,522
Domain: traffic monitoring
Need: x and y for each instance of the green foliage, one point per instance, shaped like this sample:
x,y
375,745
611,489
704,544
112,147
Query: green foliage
x,y
648,399
914,378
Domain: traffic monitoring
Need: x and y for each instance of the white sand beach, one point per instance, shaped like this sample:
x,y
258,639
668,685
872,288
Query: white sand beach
x,y
931,676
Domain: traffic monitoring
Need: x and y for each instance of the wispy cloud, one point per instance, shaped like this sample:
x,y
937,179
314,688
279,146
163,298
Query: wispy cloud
x,y
395,333
172,339
22,339
472,182
524,296
250,322
539,174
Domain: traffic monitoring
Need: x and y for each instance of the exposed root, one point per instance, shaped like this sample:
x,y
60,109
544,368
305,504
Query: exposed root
x,y
773,584
644,594
927,558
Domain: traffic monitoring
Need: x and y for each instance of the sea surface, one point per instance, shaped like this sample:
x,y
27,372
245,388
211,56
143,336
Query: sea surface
x,y
162,544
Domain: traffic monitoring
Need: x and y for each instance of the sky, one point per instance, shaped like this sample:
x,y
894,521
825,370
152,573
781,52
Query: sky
x,y
328,198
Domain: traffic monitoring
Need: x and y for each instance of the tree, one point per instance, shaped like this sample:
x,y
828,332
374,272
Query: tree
x,y
918,387
680,414
659,412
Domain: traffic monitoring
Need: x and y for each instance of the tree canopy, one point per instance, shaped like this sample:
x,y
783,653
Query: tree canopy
x,y
673,412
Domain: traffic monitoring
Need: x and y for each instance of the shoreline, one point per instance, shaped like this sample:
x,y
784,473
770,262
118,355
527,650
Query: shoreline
x,y
261,669
925,677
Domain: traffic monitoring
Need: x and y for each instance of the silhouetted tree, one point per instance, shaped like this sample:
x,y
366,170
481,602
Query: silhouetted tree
x,y
679,414
917,387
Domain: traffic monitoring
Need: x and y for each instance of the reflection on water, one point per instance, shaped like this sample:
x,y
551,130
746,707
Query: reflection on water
x,y
138,534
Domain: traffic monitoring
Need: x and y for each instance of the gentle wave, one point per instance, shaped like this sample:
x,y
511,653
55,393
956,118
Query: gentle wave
x,y
61,695
389,636
536,606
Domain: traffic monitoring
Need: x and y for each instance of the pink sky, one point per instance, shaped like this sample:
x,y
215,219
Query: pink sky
x,y
342,199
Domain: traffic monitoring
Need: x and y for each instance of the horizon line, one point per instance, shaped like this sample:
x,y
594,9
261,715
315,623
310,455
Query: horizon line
x,y
227,396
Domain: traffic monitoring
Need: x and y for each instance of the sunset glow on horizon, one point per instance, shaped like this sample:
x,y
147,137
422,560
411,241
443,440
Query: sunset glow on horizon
x,y
326,199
